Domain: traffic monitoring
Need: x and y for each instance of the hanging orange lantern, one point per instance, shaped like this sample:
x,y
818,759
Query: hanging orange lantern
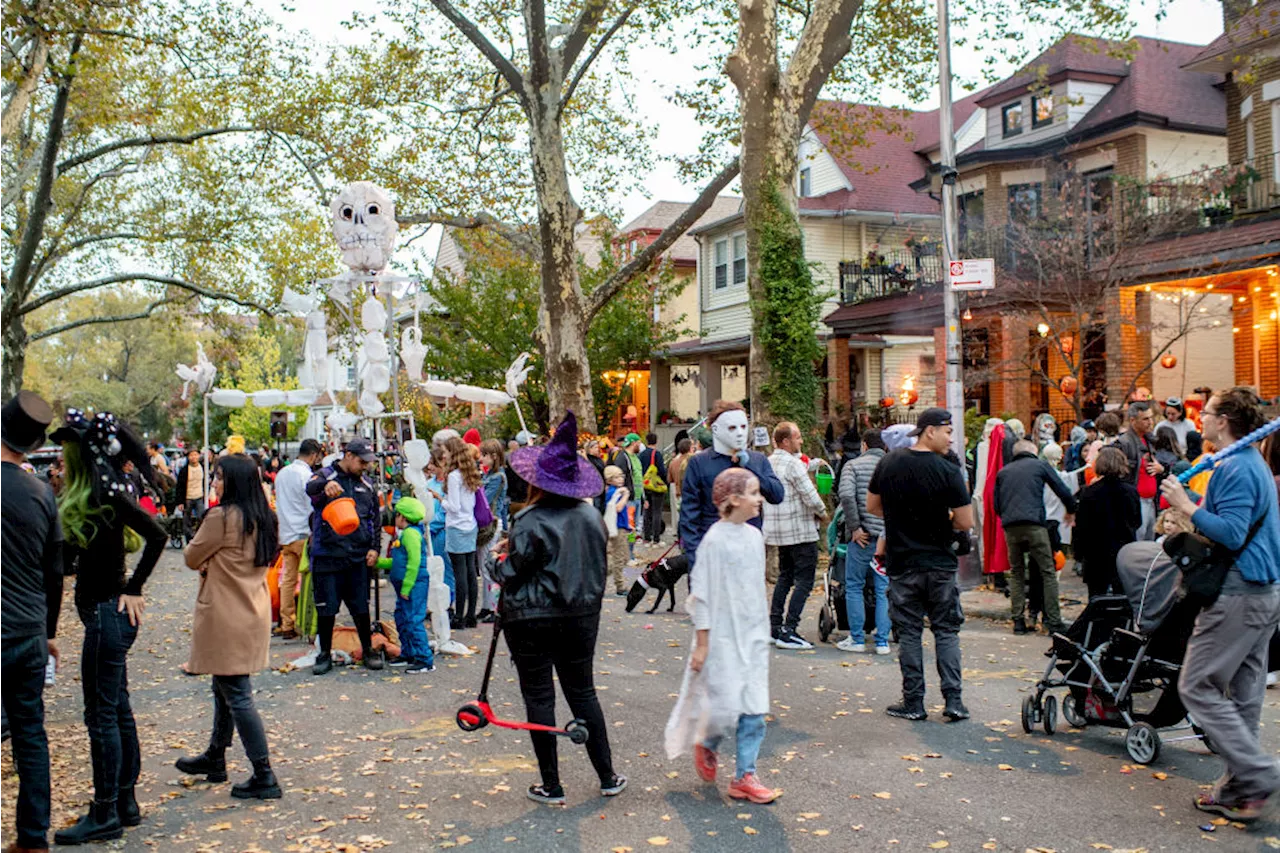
x,y
886,402
1168,361
1068,385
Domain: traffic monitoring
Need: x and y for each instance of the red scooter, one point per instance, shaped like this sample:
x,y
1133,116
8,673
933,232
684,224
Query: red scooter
x,y
476,716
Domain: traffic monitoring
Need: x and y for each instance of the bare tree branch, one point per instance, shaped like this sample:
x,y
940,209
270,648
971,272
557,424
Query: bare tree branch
x,y
823,43
591,57
512,234
32,70
501,63
120,278
75,324
584,26
641,262
310,168
148,141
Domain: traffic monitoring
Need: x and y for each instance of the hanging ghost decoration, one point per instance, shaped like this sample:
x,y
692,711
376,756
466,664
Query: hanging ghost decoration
x,y
412,352
316,350
364,224
375,375
201,374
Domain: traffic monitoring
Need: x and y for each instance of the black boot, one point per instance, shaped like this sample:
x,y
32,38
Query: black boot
x,y
908,709
372,659
100,824
212,764
955,711
324,663
127,807
1019,625
262,785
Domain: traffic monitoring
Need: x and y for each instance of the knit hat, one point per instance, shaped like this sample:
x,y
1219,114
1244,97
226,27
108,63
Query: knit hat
x,y
412,509
611,471
556,467
472,436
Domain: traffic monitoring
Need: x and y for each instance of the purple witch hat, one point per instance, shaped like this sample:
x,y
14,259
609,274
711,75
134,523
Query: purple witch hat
x,y
556,467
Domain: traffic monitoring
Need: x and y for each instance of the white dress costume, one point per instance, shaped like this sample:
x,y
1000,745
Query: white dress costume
x,y
727,600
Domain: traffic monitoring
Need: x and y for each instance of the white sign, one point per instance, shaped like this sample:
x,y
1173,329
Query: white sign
x,y
973,274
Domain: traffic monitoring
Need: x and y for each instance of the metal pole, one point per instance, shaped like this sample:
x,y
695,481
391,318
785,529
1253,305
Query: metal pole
x,y
950,236
204,452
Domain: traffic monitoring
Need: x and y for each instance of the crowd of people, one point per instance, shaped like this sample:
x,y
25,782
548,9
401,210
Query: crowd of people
x,y
530,533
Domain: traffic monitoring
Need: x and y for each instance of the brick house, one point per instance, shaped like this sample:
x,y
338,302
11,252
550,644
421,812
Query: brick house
x,y
1088,143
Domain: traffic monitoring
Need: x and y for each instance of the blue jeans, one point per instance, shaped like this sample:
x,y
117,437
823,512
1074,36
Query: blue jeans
x,y
411,617
857,563
104,679
750,736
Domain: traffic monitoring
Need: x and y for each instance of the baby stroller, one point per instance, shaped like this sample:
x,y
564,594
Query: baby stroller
x,y
1123,648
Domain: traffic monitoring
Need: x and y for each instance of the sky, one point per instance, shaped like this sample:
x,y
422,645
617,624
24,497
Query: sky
x,y
1190,21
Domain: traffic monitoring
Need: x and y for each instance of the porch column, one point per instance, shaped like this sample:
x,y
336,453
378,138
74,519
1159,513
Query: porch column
x,y
841,398
659,388
709,375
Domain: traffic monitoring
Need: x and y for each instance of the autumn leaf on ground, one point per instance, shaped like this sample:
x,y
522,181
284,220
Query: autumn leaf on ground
x,y
619,850
659,841
939,845
749,830
1161,775
1004,766
883,795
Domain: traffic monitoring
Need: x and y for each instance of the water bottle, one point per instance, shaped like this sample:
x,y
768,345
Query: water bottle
x,y
50,671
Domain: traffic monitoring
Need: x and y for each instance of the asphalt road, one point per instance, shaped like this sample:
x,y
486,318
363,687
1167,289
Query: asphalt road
x,y
374,761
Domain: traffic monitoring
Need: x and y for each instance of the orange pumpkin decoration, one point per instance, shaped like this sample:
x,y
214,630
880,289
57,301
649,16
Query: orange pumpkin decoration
x,y
910,396
886,402
1168,361
1068,385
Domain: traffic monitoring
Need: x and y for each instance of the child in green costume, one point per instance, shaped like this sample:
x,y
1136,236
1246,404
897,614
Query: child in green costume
x,y
408,577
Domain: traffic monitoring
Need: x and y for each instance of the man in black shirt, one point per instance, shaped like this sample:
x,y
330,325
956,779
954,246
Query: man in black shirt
x,y
31,573
923,500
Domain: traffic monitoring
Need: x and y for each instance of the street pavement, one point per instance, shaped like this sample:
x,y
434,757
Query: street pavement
x,y
373,761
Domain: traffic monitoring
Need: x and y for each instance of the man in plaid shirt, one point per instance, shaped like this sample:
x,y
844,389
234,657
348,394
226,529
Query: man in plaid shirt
x,y
792,526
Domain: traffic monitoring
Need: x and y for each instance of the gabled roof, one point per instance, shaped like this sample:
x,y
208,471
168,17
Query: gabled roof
x,y
662,213
925,124
1074,53
1258,24
874,148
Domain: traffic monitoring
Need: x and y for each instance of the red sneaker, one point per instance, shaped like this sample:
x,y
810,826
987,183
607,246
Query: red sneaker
x,y
705,762
749,788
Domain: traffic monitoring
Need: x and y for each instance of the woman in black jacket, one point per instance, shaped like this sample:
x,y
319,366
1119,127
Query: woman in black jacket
x,y
552,584
1107,519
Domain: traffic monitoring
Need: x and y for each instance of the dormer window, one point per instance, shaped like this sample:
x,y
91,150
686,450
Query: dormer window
x,y
1041,111
806,182
1011,119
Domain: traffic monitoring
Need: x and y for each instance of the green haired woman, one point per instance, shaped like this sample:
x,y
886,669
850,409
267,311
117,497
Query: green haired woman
x,y
101,523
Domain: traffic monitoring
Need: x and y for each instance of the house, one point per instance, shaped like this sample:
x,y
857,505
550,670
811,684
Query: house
x,y
1090,141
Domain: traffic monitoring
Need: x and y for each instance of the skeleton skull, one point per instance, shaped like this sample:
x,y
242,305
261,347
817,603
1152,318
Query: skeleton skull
x,y
364,224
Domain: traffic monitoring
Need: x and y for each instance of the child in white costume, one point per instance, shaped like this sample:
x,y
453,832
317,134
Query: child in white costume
x,y
726,684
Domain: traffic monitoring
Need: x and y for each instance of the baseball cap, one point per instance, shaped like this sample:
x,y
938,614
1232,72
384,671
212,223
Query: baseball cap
x,y
631,438
931,417
361,447
1089,424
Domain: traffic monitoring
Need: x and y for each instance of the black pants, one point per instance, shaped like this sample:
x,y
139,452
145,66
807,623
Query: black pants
x,y
338,581
233,709
466,583
912,597
104,679
22,687
796,567
653,521
566,645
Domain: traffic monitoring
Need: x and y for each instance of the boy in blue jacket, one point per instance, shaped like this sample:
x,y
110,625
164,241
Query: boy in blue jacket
x,y
408,577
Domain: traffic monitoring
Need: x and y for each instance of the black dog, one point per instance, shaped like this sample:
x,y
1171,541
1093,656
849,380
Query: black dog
x,y
661,575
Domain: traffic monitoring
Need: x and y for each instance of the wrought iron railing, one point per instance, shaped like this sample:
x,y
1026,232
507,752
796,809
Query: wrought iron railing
x,y
891,272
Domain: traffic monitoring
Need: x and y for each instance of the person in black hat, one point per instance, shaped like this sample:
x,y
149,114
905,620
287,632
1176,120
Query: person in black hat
x,y
102,522
923,500
340,563
31,576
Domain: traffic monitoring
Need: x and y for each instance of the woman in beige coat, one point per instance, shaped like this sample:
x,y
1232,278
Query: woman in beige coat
x,y
232,630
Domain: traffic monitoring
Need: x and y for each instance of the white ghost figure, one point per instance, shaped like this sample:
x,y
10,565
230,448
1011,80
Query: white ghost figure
x,y
517,373
373,315
417,453
730,431
297,303
341,421
316,350
201,374
370,405
364,224
412,352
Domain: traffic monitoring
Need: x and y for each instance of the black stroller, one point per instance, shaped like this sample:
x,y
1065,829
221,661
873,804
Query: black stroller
x,y
1123,648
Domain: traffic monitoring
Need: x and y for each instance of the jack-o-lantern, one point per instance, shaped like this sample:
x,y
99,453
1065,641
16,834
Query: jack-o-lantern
x,y
910,396
1168,361
1068,385
886,402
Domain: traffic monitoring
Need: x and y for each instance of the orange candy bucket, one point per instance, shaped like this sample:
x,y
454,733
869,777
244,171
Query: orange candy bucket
x,y
340,514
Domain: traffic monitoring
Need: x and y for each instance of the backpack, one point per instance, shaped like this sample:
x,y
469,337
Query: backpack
x,y
483,515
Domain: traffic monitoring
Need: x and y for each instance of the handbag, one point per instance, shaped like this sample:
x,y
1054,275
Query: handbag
x,y
483,515
653,481
1205,563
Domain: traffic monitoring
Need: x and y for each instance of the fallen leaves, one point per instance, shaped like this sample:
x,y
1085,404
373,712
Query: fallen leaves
x,y
883,795
939,845
658,841
750,830
1004,766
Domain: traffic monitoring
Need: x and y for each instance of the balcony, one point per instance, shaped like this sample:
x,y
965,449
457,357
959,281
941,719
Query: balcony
x,y
890,273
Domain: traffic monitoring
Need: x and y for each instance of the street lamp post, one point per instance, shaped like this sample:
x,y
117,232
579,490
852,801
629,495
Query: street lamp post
x,y
950,236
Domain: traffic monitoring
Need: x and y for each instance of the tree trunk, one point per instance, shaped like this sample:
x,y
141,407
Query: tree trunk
x,y
13,350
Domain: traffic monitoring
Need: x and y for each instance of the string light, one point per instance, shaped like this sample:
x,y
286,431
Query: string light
x,y
968,315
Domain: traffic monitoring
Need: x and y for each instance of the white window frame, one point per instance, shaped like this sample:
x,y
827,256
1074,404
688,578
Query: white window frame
x,y
738,268
806,181
720,260
1275,140
1250,140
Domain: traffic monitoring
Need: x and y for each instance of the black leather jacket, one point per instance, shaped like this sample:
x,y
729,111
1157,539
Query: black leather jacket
x,y
555,562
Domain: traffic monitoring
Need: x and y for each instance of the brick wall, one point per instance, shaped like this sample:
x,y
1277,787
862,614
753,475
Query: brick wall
x,y
1128,312
838,375
1237,91
1242,327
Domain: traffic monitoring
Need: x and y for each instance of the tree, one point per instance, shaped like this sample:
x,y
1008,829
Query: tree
x,y
496,84
259,369
146,145
486,318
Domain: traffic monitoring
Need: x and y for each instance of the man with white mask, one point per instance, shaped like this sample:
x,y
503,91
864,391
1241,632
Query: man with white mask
x,y
730,432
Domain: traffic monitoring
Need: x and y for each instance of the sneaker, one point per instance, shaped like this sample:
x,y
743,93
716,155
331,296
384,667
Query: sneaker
x,y
1273,678
955,711
399,660
775,631
420,667
883,650
789,639
749,788
489,618
905,710
705,762
848,644
615,786
543,794
620,592
1244,810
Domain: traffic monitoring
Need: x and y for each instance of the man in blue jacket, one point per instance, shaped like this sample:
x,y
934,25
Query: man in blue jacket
x,y
1224,671
340,564
729,433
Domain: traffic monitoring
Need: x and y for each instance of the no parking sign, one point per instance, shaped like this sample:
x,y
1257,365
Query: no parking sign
x,y
972,274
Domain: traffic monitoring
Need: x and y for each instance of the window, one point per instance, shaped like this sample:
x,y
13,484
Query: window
x,y
1024,202
722,264
1275,140
740,259
971,212
351,376
1011,119
1041,111
1250,143
806,182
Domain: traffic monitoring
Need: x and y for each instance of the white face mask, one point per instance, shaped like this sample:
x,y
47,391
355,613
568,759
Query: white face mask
x,y
730,431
